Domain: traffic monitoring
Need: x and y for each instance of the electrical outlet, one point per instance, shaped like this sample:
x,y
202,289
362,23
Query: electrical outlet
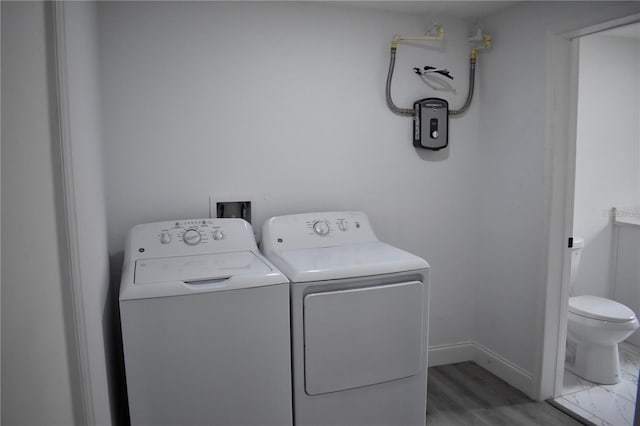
x,y
230,207
241,209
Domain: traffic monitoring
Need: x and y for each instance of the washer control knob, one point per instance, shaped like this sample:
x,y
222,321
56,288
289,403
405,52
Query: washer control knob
x,y
165,237
321,227
191,237
218,235
343,226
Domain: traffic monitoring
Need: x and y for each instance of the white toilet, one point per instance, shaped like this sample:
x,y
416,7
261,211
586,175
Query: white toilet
x,y
595,327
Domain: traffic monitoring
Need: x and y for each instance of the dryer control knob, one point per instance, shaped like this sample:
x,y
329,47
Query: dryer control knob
x,y
343,225
191,237
321,227
218,235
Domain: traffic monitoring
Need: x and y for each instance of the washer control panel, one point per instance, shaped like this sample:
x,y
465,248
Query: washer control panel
x,y
311,230
193,236
192,232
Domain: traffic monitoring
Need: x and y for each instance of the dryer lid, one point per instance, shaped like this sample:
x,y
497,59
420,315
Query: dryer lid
x,y
345,261
600,308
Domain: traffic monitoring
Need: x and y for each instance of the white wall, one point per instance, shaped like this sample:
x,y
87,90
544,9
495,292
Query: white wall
x,y
514,158
36,376
627,270
285,102
85,134
608,149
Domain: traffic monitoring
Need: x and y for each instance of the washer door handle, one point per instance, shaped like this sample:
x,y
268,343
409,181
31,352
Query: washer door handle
x,y
208,281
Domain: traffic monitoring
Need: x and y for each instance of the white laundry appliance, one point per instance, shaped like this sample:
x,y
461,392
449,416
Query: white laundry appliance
x,y
359,320
205,326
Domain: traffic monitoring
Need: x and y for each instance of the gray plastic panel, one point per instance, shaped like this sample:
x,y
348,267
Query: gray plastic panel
x,y
362,336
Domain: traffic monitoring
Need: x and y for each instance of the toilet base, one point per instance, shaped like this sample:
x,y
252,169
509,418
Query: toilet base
x,y
596,363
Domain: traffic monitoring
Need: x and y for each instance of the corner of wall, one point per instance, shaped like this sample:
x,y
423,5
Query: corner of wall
x,y
487,359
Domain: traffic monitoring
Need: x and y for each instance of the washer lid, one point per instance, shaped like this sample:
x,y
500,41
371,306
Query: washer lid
x,y
197,268
193,274
345,261
600,308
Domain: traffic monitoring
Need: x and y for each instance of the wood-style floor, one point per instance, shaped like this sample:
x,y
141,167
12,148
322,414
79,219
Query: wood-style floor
x,y
466,394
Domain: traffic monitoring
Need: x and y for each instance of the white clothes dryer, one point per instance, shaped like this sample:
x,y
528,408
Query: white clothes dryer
x,y
359,320
205,326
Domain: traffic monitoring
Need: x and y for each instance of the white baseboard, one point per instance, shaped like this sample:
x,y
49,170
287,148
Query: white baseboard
x,y
504,369
487,359
451,353
634,339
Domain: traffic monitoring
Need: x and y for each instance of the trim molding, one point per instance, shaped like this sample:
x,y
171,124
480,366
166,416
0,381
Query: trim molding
x,y
608,25
451,353
487,359
505,369
78,342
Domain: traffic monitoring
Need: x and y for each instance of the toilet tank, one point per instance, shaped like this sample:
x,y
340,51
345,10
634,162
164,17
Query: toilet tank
x,y
576,251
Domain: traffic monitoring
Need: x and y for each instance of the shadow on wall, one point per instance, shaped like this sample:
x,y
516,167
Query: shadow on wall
x,y
433,156
113,340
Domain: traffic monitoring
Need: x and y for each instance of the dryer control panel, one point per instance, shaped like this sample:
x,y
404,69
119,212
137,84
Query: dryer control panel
x,y
326,227
311,230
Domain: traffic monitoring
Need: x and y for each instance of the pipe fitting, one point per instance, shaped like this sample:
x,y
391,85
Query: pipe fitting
x,y
486,43
439,37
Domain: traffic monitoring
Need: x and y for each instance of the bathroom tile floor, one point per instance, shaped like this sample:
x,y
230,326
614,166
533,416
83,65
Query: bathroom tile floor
x,y
605,405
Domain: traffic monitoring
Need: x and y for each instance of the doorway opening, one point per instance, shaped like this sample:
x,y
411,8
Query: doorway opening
x,y
601,171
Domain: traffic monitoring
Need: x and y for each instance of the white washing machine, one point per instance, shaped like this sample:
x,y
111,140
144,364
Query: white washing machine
x,y
359,319
205,326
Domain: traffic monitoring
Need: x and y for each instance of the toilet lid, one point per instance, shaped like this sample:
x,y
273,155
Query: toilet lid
x,y
600,308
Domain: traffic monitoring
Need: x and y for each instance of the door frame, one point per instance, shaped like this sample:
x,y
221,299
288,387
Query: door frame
x,y
562,103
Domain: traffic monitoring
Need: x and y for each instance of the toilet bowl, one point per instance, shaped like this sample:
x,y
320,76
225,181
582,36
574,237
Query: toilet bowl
x,y
595,327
